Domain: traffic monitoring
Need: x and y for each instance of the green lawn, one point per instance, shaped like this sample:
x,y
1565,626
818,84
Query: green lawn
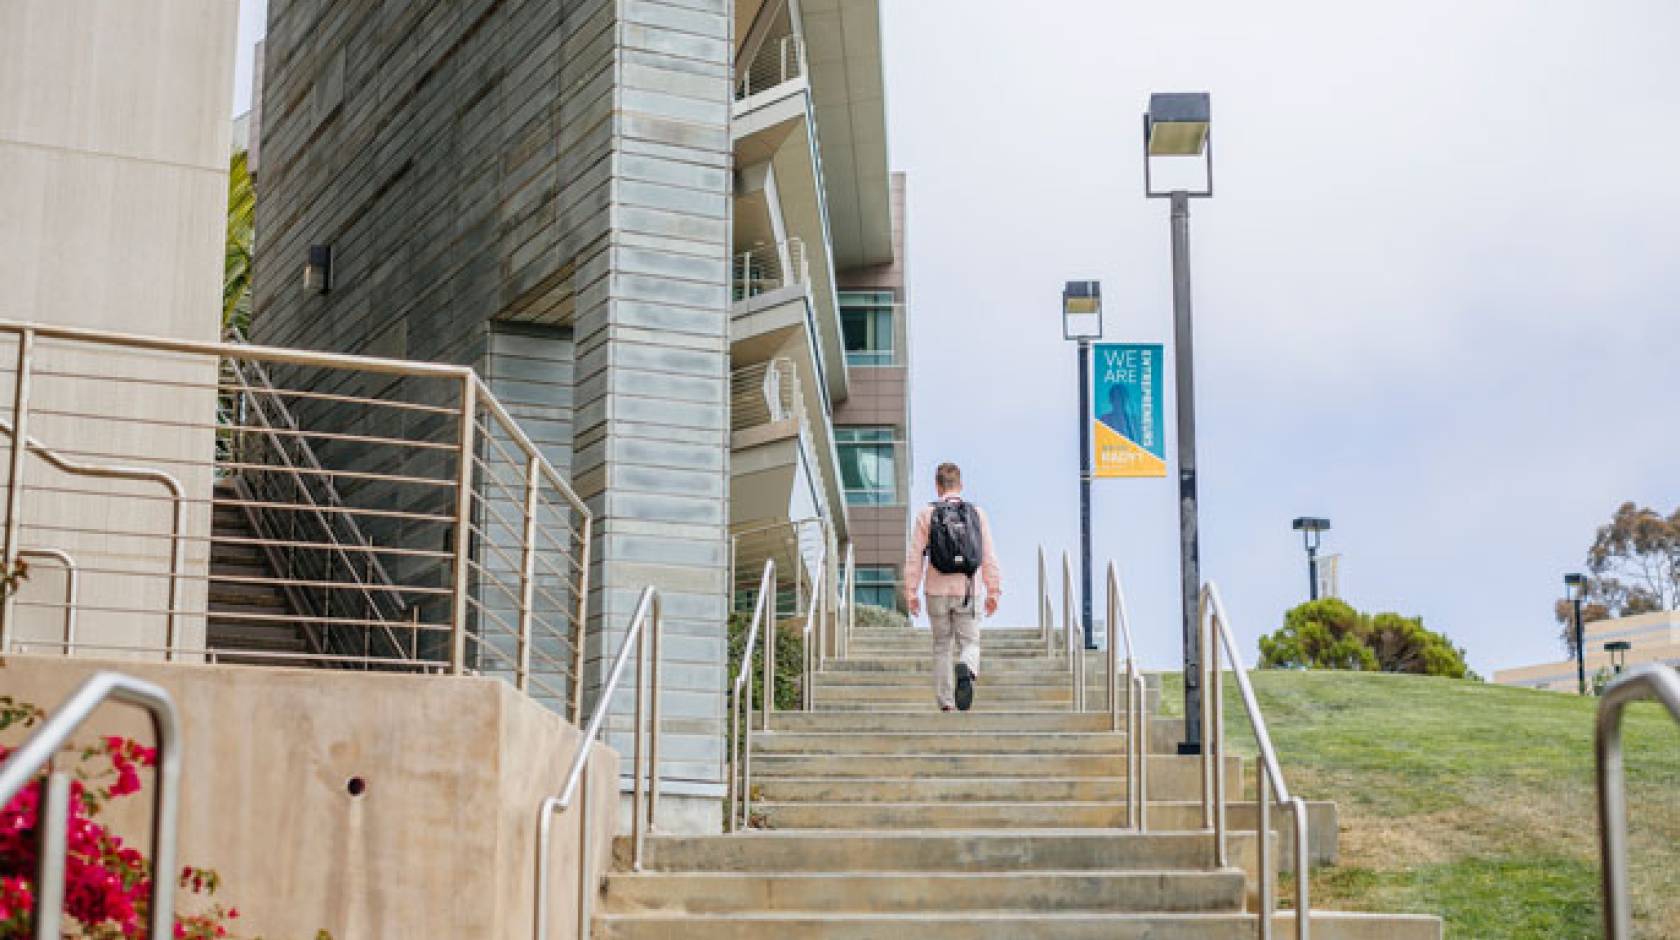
x,y
1468,800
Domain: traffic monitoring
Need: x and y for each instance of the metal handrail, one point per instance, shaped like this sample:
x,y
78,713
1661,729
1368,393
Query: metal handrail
x,y
741,703
1073,641
1215,633
811,637
71,589
38,751
177,546
1661,683
643,633
1136,725
845,645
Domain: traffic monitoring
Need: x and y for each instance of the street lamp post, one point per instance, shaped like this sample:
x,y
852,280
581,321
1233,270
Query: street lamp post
x,y
1179,125
1575,583
1312,530
1082,322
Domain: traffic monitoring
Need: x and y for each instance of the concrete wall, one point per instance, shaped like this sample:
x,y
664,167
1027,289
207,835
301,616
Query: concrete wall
x,y
113,195
440,843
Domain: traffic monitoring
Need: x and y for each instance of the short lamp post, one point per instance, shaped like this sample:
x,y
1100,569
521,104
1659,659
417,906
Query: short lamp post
x,y
1312,531
1575,583
1180,125
1618,650
1082,322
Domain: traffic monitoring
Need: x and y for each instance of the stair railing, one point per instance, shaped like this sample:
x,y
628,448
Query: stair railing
x,y
1215,633
740,704
1137,723
14,520
1045,626
816,617
843,649
1072,639
72,591
53,830
384,603
642,634
1661,683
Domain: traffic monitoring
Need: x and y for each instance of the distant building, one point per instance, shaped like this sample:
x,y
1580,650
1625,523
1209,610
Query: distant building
x,y
1652,638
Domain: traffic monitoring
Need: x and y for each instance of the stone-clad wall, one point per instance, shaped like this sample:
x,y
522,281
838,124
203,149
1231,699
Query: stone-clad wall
x,y
558,164
653,360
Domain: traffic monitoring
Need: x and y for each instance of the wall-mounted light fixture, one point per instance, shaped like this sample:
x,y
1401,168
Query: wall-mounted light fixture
x,y
317,271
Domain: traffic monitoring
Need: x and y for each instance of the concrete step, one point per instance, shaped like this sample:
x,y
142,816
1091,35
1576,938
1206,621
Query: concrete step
x,y
1005,926
1107,814
922,678
934,789
911,892
922,664
1170,777
977,850
938,742
930,719
921,692
910,646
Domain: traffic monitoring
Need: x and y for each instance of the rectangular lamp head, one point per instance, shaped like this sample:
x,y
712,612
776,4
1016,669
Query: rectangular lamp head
x,y
1178,123
1574,579
1082,310
1311,524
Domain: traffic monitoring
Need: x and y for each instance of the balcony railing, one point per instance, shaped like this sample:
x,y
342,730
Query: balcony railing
x,y
778,62
765,268
765,393
231,502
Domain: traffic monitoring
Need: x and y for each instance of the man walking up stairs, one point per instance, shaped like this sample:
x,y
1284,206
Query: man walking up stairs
x,y
877,818
949,543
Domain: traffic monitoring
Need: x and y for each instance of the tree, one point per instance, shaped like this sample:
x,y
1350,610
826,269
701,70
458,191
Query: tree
x,y
241,228
1635,565
1330,634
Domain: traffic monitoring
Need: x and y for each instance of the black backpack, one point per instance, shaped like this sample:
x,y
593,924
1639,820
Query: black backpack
x,y
953,545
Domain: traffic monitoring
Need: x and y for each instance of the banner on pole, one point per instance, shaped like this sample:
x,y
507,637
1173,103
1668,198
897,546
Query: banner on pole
x,y
1126,399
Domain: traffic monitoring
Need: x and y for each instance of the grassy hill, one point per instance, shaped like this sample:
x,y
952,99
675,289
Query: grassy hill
x,y
1472,801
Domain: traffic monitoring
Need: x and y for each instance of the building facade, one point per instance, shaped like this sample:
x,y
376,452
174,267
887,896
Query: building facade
x,y
873,425
634,219
1651,638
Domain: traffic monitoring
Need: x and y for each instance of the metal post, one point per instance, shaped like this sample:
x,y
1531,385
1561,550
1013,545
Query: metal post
x,y
1312,572
53,841
1214,741
580,628
1140,688
463,525
1262,838
586,897
14,483
1084,353
1580,647
1044,625
1188,536
527,574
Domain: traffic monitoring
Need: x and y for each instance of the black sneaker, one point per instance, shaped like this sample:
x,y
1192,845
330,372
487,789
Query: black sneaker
x,y
965,687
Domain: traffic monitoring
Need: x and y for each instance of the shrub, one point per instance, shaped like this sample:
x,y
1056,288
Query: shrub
x,y
1329,634
881,618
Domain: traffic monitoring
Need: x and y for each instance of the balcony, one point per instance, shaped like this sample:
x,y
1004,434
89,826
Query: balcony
x,y
782,463
779,64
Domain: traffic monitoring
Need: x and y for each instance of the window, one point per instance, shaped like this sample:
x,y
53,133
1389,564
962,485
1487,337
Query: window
x,y
868,465
878,585
866,319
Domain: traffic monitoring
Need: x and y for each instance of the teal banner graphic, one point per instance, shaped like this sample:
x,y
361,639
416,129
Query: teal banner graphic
x,y
1126,404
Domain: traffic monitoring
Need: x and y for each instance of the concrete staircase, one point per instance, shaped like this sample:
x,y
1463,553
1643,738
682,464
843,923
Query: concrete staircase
x,y
877,816
243,622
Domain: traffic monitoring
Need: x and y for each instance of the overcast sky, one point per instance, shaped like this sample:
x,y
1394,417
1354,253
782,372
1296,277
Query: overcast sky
x,y
1436,294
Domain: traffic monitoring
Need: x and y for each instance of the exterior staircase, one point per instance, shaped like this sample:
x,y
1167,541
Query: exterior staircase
x,y
876,816
245,607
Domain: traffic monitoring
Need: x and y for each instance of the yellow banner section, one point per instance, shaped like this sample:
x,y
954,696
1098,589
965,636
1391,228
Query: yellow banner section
x,y
1117,457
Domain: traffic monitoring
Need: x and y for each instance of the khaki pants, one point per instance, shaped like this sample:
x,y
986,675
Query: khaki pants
x,y
956,626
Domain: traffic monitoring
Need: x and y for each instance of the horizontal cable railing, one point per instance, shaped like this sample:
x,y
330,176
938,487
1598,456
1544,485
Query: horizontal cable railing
x,y
254,504
779,60
768,267
765,393
1215,635
1661,683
